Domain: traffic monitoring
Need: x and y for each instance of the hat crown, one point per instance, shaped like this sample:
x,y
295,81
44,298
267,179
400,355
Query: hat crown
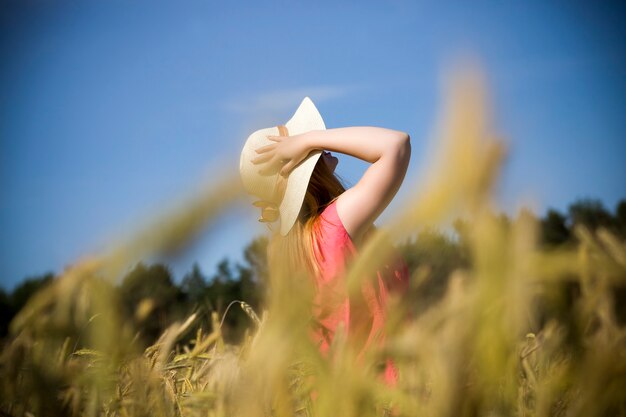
x,y
262,186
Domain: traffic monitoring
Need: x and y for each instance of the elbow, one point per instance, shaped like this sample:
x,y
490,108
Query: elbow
x,y
405,139
397,146
403,146
401,139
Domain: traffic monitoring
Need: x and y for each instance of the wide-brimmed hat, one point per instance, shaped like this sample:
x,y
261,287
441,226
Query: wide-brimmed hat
x,y
271,189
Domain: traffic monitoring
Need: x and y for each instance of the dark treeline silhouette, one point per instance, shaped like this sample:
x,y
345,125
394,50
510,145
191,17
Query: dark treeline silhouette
x,y
152,298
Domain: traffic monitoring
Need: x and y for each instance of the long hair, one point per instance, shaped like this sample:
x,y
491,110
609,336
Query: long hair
x,y
294,252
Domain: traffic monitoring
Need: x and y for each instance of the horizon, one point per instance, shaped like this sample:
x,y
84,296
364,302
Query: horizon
x,y
178,275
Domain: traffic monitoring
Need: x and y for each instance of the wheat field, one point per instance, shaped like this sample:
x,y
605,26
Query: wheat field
x,y
486,348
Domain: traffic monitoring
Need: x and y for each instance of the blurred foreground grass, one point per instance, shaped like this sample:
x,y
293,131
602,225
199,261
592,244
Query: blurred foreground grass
x,y
502,341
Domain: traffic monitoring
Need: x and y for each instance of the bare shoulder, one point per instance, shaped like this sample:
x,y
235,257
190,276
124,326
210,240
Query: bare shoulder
x,y
359,206
348,210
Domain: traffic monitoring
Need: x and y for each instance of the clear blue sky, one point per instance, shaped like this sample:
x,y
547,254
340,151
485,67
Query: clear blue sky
x,y
111,110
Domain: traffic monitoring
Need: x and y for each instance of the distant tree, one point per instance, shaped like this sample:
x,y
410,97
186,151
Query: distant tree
x,y
253,274
222,289
11,304
249,288
554,230
220,286
194,285
6,313
153,283
620,218
243,281
224,272
590,213
22,293
619,291
255,254
437,255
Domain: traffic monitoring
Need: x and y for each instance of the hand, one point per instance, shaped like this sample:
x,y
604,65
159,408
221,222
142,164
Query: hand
x,y
284,155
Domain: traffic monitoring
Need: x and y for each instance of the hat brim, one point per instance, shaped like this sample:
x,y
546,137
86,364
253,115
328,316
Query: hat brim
x,y
305,119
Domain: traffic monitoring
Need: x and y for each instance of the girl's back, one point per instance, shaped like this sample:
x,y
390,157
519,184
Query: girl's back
x,y
362,316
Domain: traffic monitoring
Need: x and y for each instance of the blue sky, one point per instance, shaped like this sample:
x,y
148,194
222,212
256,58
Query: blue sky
x,y
112,110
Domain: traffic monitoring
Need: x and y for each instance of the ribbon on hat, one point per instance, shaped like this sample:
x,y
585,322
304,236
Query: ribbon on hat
x,y
269,209
282,130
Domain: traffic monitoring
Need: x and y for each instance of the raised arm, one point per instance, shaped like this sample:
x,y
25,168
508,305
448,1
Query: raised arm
x,y
387,150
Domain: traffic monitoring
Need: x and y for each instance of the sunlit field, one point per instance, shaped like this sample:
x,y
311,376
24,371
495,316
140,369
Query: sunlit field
x,y
518,329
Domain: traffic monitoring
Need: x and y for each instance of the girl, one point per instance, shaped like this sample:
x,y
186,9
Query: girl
x,y
322,225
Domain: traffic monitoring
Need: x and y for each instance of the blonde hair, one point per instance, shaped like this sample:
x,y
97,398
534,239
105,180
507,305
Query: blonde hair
x,y
295,250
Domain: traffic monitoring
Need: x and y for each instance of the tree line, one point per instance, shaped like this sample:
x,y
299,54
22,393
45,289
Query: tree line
x,y
433,252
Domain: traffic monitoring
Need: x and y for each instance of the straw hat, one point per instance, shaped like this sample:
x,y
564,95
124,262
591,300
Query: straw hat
x,y
277,195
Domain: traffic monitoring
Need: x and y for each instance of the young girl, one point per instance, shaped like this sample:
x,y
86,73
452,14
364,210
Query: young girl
x,y
322,225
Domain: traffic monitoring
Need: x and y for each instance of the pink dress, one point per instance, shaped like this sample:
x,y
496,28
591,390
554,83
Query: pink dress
x,y
362,318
